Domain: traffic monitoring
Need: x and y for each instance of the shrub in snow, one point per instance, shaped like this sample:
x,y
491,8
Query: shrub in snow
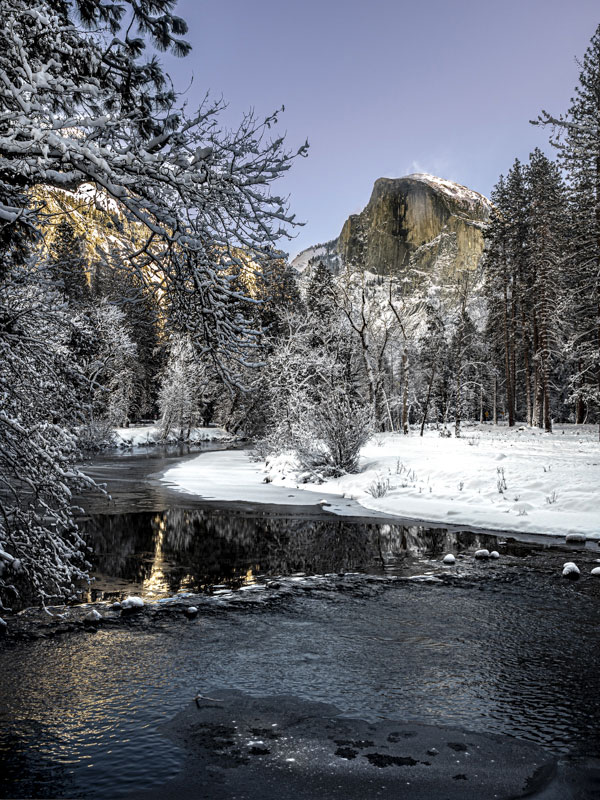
x,y
501,480
449,559
329,441
482,553
570,570
379,487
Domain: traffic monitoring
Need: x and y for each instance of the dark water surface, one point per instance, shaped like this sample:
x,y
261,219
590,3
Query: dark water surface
x,y
384,630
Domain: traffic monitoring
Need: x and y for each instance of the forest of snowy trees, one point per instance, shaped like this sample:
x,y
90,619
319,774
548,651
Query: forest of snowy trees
x,y
81,105
140,279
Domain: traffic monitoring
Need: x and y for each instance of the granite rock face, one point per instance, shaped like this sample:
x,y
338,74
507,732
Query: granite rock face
x,y
417,221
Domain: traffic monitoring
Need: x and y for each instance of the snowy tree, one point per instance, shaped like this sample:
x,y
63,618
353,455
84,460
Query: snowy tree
x,y
121,287
68,262
576,136
112,373
363,305
195,191
433,359
312,397
42,555
80,104
187,389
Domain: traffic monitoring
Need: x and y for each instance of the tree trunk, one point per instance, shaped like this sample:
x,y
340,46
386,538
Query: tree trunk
x,y
405,393
527,369
480,403
507,361
458,401
426,409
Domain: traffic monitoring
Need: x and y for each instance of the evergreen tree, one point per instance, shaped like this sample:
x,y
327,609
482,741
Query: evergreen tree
x,y
320,292
498,288
546,255
68,263
576,137
115,282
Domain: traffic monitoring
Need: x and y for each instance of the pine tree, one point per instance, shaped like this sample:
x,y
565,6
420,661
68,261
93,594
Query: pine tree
x,y
546,255
320,292
499,288
68,263
576,136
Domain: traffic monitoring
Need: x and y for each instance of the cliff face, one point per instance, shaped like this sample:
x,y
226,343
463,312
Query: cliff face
x,y
419,222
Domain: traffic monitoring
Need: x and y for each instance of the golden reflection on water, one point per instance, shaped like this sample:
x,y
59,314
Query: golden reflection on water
x,y
156,583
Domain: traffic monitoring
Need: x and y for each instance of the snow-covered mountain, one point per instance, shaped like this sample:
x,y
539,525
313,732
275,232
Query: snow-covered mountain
x,y
327,253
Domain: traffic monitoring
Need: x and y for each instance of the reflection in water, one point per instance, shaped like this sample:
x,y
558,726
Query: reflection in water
x,y
193,550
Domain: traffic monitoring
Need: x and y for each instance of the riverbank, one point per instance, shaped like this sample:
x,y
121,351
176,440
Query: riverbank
x,y
493,478
151,435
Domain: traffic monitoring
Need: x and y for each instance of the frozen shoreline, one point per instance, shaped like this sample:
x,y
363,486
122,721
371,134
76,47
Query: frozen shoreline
x,y
519,479
150,435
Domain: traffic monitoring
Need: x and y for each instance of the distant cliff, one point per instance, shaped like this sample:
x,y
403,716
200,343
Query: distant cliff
x,y
420,222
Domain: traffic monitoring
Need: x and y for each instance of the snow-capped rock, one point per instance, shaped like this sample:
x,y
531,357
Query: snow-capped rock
x,y
596,571
575,537
449,559
93,616
132,603
482,553
570,570
494,554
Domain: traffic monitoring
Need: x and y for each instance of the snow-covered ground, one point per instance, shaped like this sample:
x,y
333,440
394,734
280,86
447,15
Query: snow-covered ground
x,y
141,435
519,479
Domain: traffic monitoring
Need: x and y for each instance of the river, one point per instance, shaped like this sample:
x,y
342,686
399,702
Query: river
x,y
357,613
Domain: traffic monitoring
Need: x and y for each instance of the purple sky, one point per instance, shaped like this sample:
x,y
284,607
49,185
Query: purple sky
x,y
387,88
